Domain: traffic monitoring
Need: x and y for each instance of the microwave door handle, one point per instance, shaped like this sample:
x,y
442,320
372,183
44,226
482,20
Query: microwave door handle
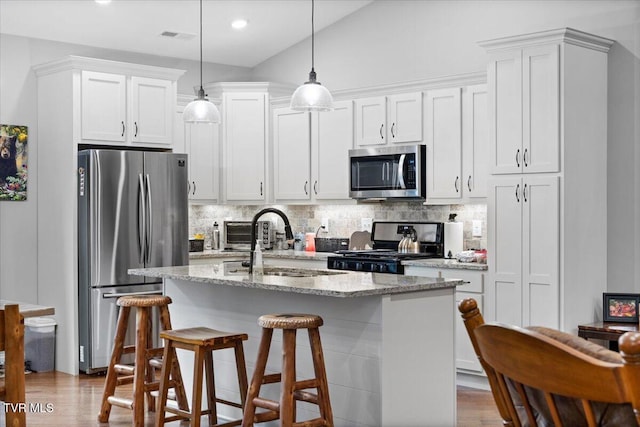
x,y
383,166
401,171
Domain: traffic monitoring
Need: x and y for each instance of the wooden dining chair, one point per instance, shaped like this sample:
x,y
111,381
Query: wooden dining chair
x,y
12,389
540,376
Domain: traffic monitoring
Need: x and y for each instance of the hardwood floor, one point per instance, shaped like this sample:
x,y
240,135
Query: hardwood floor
x,y
74,401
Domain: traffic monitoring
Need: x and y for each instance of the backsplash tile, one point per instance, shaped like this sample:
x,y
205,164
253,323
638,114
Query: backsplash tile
x,y
343,219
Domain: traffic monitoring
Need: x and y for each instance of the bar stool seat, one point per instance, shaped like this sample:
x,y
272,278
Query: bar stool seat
x,y
141,373
202,341
291,390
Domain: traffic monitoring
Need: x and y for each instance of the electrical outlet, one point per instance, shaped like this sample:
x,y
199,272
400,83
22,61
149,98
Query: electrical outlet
x,y
477,228
366,224
324,222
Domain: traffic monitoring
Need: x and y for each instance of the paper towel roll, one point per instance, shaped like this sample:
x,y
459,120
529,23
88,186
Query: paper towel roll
x,y
452,238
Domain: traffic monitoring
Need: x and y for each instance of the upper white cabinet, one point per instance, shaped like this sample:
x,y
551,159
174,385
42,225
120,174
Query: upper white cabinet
x,y
331,140
525,101
456,139
244,141
120,108
393,119
202,143
311,153
548,129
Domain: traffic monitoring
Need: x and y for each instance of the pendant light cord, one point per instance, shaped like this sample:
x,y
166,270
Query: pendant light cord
x,y
312,36
201,45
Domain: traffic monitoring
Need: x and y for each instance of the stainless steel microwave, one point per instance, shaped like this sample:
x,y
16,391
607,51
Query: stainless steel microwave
x,y
237,234
397,172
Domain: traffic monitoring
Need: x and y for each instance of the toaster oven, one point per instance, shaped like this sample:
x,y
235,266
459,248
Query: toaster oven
x,y
237,234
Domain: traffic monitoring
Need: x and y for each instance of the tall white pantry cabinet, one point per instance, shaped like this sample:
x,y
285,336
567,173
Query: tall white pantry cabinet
x,y
546,206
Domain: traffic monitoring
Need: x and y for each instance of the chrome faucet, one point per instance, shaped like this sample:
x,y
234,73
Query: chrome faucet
x,y
287,230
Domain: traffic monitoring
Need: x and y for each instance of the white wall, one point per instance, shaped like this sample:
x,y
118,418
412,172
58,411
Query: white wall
x,y
394,41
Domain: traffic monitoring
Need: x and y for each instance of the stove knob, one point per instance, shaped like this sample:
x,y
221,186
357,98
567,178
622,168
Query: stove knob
x,y
358,266
382,268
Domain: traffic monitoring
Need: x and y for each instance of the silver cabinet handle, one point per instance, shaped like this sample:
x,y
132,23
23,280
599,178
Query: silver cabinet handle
x,y
524,157
456,184
135,135
518,157
469,183
518,193
261,188
122,128
305,188
393,125
194,188
381,128
315,187
524,193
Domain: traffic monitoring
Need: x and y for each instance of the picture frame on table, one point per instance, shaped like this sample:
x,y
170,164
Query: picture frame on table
x,y
619,307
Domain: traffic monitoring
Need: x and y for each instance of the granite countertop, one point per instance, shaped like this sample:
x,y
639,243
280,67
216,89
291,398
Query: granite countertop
x,y
290,254
330,283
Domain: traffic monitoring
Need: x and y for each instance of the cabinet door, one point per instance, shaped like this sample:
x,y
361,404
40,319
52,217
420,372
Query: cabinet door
x,y
203,145
541,257
104,106
444,144
152,106
504,222
541,109
405,117
504,77
475,161
371,121
332,137
291,154
244,146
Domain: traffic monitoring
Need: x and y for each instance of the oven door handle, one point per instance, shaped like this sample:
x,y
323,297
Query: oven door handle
x,y
128,294
401,172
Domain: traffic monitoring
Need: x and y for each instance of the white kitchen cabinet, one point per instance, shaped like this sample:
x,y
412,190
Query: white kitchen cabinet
x,y
525,101
319,143
393,119
125,109
202,143
331,139
548,129
524,224
244,141
444,143
475,138
291,154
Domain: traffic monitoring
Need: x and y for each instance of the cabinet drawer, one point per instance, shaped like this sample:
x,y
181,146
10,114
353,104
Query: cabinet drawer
x,y
475,279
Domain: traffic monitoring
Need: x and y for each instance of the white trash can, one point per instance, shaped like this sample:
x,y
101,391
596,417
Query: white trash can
x,y
40,343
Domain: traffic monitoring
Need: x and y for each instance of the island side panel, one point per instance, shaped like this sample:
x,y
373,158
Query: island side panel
x,y
351,339
418,353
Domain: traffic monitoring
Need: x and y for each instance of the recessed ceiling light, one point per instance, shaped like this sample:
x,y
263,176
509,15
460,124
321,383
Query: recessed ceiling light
x,y
103,1
239,24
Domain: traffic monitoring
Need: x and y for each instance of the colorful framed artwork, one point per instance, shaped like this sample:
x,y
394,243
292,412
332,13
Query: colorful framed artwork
x,y
13,162
620,307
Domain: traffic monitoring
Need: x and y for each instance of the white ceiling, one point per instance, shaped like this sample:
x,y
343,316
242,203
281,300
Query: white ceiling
x,y
136,25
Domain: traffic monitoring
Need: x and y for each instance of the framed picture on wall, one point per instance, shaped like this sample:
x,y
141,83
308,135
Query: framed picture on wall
x,y
620,307
13,162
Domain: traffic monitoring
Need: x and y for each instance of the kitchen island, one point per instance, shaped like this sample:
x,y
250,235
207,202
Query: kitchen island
x,y
388,339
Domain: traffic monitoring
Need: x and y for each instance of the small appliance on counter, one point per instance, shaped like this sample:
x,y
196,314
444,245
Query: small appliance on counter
x,y
385,257
237,235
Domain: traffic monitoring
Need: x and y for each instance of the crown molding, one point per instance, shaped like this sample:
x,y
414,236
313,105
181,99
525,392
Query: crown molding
x,y
216,89
560,35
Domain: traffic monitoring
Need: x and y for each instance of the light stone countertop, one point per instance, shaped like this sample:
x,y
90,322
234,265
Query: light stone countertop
x,y
331,283
290,254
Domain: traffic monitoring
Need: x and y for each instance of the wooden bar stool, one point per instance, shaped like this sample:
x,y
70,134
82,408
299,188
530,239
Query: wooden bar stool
x,y
202,341
141,373
291,390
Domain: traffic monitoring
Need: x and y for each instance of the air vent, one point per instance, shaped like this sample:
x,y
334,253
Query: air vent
x,y
176,35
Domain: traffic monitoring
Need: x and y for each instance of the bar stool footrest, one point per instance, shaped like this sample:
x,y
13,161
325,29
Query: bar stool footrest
x,y
229,403
272,378
263,403
121,402
124,369
306,396
316,422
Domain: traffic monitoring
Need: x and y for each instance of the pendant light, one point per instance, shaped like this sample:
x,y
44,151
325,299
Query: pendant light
x,y
312,96
201,110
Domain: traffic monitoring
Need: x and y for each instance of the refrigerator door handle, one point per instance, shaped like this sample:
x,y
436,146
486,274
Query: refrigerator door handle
x,y
142,219
95,221
127,294
149,231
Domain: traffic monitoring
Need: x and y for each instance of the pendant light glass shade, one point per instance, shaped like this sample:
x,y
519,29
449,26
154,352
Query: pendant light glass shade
x,y
312,96
201,110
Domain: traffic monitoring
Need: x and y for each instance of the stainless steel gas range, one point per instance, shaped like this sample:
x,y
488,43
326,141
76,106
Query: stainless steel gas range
x,y
385,257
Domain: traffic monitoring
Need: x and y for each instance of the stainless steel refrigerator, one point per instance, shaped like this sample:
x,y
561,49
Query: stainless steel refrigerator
x,y
132,213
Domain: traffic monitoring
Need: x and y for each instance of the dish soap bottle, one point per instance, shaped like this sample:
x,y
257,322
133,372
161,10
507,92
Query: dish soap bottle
x,y
258,268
